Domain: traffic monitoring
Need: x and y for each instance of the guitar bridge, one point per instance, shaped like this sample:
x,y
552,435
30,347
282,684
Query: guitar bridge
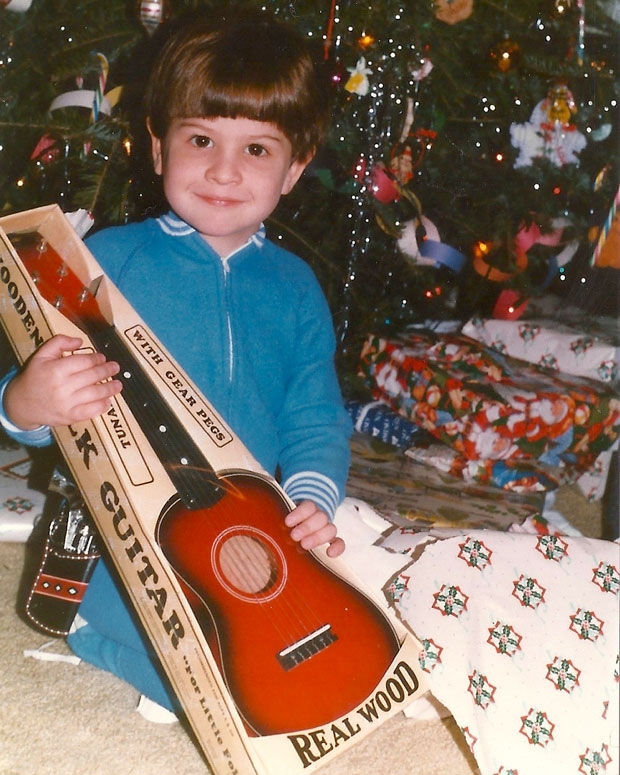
x,y
307,647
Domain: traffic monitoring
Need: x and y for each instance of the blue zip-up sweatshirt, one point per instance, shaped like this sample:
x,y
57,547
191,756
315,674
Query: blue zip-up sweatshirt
x,y
254,332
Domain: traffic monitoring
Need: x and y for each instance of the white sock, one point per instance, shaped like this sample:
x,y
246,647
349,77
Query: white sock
x,y
151,711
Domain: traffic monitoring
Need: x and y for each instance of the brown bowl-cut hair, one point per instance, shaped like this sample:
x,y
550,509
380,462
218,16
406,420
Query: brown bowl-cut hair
x,y
244,64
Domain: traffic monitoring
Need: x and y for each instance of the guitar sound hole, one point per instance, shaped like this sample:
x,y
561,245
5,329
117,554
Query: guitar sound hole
x,y
247,564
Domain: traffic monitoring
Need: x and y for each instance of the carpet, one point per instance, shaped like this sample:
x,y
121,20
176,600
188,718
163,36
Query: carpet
x,y
63,719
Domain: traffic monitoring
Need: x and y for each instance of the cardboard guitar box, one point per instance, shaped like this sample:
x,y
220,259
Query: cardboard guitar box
x,y
130,492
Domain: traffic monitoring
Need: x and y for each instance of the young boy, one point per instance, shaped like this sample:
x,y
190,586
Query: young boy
x,y
235,112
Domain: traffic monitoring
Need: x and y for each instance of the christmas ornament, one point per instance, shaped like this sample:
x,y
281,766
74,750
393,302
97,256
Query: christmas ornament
x,y
80,98
560,104
549,133
424,69
45,150
402,164
552,237
19,6
607,248
453,11
365,41
485,254
561,8
408,154
510,305
358,82
152,13
506,55
413,234
384,187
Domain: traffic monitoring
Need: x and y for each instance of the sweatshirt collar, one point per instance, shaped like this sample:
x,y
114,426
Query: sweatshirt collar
x,y
171,224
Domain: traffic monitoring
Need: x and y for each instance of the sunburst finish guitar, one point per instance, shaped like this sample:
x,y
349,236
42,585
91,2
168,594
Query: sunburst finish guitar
x,y
297,646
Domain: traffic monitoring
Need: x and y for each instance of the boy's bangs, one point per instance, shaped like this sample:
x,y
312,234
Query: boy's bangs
x,y
231,100
238,87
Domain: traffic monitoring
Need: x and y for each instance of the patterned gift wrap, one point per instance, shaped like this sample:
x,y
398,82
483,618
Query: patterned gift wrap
x,y
379,421
520,642
20,506
499,414
590,350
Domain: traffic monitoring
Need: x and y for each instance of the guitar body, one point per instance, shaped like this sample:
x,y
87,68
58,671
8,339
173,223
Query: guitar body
x,y
297,646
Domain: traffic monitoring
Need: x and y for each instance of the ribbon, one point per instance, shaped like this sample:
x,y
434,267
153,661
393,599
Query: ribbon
x,y
101,82
532,235
430,251
442,254
497,275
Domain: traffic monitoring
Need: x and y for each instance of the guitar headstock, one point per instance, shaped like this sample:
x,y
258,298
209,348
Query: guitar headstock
x,y
55,280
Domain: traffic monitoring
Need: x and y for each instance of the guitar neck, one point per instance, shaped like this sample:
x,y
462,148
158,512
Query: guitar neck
x,y
191,474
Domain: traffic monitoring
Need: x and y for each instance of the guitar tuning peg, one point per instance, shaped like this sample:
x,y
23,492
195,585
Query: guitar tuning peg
x,y
58,302
42,246
84,294
62,270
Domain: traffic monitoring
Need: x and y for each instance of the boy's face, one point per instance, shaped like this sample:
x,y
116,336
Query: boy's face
x,y
224,176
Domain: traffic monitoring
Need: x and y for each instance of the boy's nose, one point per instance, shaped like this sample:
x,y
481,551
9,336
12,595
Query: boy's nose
x,y
223,168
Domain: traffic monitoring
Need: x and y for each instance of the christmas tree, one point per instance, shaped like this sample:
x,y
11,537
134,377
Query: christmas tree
x,y
473,147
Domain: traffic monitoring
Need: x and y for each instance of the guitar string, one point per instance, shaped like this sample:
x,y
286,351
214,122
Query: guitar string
x,y
285,611
292,612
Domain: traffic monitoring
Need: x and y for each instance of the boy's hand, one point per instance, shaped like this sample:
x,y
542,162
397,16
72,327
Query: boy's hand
x,y
311,527
56,390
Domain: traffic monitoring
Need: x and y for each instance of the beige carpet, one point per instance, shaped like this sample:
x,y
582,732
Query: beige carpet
x,y
63,719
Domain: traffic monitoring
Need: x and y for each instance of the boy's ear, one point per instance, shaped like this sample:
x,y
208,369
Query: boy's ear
x,y
156,150
295,172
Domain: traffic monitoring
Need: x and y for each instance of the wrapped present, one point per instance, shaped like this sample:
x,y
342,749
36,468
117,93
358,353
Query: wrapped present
x,y
589,349
493,410
378,420
520,642
20,505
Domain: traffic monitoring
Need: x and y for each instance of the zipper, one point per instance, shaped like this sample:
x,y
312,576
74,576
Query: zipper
x,y
231,354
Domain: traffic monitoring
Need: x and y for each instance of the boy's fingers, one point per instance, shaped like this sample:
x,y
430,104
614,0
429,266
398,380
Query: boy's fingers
x,y
336,547
58,345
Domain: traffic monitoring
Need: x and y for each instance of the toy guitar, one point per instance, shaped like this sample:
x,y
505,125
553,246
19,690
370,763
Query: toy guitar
x,y
297,645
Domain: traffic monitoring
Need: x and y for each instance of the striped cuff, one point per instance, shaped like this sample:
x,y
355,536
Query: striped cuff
x,y
311,486
39,437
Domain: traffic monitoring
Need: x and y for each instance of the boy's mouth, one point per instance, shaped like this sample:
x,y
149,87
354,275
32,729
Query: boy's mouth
x,y
219,201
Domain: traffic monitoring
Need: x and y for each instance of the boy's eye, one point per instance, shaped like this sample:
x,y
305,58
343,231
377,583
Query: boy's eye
x,y
201,141
256,149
